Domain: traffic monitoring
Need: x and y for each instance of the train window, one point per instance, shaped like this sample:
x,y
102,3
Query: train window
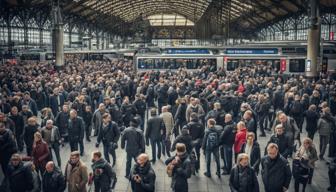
x,y
232,64
175,63
297,65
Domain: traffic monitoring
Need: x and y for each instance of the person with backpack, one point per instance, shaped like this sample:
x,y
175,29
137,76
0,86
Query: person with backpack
x,y
210,146
291,130
133,140
243,177
296,111
109,134
103,176
325,126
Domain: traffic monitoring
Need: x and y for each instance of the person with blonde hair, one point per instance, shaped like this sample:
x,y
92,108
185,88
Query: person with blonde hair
x,y
181,169
243,177
40,153
252,149
307,156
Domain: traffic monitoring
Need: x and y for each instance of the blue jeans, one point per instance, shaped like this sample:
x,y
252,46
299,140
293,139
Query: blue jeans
x,y
227,157
107,151
155,144
129,157
215,153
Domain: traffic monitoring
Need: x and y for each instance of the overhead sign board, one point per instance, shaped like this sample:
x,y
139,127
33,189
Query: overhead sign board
x,y
188,51
251,51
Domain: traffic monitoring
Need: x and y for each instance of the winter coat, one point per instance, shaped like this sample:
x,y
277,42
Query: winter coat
x,y
311,119
276,173
29,132
61,121
284,143
291,129
198,109
76,129
135,141
104,179
239,140
53,103
184,138
19,124
110,134
309,154
147,176
228,136
181,173
55,135
325,124
217,129
76,177
20,178
181,113
54,181
155,128
243,179
41,154
255,155
97,119
196,131
168,120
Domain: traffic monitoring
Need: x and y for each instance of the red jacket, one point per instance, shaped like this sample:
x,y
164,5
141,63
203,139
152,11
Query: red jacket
x,y
41,154
241,88
240,139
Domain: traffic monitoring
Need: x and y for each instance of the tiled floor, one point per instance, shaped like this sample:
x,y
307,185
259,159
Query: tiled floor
x,y
197,183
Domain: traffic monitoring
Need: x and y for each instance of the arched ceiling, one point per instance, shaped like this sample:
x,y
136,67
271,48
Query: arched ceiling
x,y
246,14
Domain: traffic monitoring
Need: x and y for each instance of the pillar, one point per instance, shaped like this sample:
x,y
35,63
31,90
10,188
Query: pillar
x,y
58,33
41,37
9,36
313,43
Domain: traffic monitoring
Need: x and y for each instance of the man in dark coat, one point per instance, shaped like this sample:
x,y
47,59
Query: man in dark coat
x,y
140,106
20,175
104,177
180,116
61,121
87,117
19,126
143,175
162,94
7,147
154,132
181,169
109,134
276,173
134,138
56,101
196,131
282,140
76,132
27,100
53,179
227,139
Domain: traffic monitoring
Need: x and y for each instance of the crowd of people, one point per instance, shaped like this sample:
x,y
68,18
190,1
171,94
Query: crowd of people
x,y
179,114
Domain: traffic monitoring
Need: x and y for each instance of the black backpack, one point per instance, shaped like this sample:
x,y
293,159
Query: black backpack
x,y
212,140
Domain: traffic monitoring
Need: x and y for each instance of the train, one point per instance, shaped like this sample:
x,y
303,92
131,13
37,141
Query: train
x,y
284,57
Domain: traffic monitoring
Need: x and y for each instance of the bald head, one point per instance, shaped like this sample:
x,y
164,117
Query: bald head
x,y
142,159
228,118
50,166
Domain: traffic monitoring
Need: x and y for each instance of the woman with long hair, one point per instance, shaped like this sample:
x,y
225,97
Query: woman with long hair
x,y
40,153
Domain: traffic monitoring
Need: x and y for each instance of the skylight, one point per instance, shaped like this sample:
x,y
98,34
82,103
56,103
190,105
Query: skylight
x,y
169,20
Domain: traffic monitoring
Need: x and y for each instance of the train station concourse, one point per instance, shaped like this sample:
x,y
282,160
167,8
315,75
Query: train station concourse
x,y
167,95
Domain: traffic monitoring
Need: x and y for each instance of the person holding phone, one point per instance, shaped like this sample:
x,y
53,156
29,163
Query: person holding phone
x,y
143,175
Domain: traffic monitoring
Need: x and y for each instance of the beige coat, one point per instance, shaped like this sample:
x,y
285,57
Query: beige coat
x,y
76,177
169,122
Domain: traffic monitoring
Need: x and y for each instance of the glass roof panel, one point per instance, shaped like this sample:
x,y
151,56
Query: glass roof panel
x,y
169,20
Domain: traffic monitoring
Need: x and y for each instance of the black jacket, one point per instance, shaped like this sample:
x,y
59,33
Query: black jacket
x,y
181,173
53,182
243,179
7,146
76,129
155,128
20,178
109,134
228,135
134,139
196,131
181,113
147,176
255,155
19,124
184,138
140,107
311,117
29,132
61,121
276,173
283,142
103,175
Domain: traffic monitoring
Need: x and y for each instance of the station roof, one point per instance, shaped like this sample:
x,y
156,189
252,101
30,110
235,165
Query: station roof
x,y
247,14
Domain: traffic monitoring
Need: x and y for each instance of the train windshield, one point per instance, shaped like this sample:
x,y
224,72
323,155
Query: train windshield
x,y
175,63
233,64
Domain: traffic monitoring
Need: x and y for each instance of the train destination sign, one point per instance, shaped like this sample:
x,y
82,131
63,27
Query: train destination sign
x,y
188,51
248,51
